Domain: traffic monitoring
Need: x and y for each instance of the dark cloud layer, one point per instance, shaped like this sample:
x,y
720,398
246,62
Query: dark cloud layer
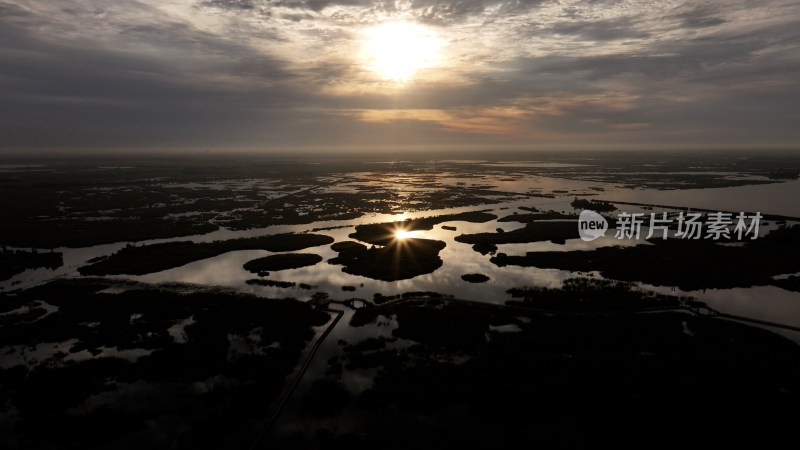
x,y
282,73
605,30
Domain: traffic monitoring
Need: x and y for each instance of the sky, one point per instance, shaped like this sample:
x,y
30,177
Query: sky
x,y
337,74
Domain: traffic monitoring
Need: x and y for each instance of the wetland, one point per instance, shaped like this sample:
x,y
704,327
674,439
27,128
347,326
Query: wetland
x,y
262,302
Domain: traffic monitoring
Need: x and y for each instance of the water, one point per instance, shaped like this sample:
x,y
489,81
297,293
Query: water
x,y
773,198
765,303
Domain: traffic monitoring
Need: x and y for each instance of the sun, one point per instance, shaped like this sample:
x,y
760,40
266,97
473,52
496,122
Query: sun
x,y
397,50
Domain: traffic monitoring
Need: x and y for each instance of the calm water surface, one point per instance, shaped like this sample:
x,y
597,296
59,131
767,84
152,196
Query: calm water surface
x,y
765,303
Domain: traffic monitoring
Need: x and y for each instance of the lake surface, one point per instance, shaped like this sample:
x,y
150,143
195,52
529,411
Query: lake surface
x,y
764,303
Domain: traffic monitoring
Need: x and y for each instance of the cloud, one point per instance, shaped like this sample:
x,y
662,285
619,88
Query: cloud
x,y
700,16
604,30
292,72
228,4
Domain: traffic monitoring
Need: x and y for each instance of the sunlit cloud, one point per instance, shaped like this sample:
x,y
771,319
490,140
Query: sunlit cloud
x,y
245,72
487,121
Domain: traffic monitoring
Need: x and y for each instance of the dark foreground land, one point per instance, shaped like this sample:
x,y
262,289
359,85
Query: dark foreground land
x,y
110,370
112,364
457,374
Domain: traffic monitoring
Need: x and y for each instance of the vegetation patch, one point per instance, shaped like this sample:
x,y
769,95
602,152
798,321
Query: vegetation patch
x,y
591,294
475,277
13,262
687,264
348,246
283,261
791,283
531,232
531,217
271,283
384,233
594,205
399,260
139,260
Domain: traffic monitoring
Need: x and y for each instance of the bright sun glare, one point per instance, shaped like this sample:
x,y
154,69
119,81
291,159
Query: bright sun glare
x,y
404,234
397,50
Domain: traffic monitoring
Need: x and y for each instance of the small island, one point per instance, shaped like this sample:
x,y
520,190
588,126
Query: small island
x,y
399,260
475,277
283,261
